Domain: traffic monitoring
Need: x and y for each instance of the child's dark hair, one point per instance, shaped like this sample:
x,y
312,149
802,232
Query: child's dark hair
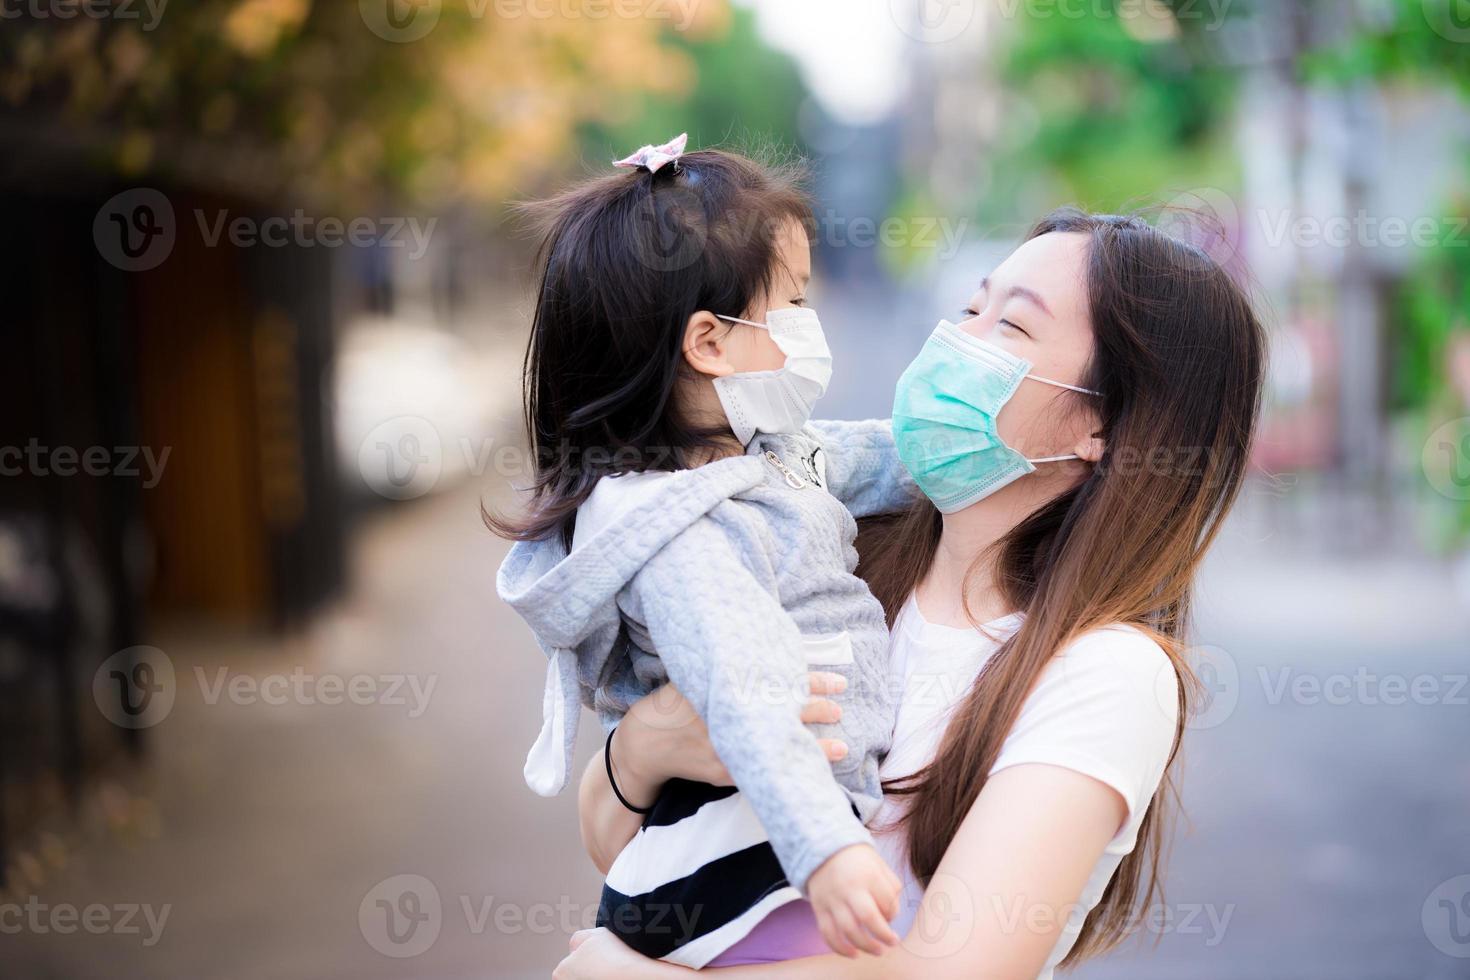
x,y
625,261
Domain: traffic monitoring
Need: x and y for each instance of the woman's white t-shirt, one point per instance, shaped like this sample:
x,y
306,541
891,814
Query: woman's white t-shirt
x,y
1106,706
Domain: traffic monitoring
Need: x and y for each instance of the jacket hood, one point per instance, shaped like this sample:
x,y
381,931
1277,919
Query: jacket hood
x,y
564,596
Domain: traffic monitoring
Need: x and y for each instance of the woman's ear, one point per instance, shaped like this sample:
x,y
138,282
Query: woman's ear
x,y
1091,448
705,346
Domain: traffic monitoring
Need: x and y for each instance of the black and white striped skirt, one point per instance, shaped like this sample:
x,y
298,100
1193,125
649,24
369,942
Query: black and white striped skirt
x,y
697,877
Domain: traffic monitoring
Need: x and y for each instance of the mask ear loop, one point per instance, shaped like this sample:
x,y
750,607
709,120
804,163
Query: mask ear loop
x,y
1063,384
1060,384
736,319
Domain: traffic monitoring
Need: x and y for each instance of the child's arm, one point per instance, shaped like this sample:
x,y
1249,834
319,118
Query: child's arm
x,y
661,738
736,656
863,469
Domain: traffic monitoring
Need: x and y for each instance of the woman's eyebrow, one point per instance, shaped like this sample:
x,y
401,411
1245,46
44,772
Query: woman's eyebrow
x,y
1021,292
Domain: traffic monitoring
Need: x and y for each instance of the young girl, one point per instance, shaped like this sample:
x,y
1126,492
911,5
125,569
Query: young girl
x,y
686,524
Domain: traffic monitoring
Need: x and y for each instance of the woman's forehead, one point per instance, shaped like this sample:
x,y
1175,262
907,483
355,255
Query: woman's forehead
x,y
1053,266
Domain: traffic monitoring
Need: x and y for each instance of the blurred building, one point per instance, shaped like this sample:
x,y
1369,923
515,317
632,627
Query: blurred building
x,y
169,451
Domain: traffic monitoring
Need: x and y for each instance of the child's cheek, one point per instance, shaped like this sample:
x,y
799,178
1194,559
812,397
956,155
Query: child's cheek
x,y
764,353
754,350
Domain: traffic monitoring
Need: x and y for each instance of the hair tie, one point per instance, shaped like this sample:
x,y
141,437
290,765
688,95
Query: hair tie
x,y
653,157
607,761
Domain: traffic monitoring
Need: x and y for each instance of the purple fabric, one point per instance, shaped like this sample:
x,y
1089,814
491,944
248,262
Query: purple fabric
x,y
788,933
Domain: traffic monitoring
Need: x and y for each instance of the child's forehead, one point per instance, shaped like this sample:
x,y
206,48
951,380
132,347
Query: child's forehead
x,y
794,251
791,233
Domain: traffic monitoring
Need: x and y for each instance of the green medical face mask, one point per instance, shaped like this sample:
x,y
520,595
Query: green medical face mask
x,y
944,418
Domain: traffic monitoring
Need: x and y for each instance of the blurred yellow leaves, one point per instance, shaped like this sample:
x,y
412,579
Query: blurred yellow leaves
x,y
255,26
1149,21
513,96
333,104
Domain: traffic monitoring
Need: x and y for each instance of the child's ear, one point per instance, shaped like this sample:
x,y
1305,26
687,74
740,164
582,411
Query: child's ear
x,y
705,345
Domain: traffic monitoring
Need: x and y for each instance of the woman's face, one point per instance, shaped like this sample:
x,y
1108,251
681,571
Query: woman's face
x,y
1035,305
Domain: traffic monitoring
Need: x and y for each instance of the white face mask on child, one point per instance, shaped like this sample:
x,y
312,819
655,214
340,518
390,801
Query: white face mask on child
x,y
781,400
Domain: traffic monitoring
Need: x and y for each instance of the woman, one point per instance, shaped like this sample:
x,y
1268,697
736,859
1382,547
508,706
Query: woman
x,y
1022,809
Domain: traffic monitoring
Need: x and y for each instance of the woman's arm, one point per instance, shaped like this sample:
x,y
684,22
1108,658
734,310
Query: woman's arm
x,y
663,738
994,908
607,825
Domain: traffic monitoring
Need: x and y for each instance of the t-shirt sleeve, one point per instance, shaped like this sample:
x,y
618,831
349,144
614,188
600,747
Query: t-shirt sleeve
x,y
1106,707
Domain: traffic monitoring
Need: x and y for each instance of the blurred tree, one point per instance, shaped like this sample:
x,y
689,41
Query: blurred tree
x,y
1424,42
746,96
1112,107
1434,307
344,101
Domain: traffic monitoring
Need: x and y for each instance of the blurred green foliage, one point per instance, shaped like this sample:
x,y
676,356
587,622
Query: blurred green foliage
x,y
746,97
1434,304
1127,104
1419,41
1416,41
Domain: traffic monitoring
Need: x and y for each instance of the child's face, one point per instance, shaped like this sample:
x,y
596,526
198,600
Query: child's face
x,y
751,348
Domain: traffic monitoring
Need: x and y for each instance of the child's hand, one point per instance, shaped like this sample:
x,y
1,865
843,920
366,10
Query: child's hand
x,y
854,895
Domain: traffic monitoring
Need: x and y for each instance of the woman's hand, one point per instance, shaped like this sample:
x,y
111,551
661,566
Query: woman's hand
x,y
597,954
663,738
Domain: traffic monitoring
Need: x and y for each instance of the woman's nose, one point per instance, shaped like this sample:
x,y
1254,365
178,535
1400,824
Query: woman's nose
x,y
978,325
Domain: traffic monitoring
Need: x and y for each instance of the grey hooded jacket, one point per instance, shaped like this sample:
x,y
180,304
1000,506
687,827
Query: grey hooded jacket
x,y
732,582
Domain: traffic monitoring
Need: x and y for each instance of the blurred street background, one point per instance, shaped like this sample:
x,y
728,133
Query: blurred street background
x,y
261,714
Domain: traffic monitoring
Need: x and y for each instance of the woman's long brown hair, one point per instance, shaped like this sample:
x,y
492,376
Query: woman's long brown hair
x,y
1179,358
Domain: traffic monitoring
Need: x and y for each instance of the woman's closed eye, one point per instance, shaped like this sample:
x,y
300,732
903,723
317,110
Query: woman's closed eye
x,y
971,313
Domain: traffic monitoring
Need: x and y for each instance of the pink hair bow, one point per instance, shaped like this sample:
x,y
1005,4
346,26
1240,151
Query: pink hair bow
x,y
654,157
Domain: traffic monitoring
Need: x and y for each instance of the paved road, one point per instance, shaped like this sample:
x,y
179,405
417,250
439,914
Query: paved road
x,y
274,822
272,832
1330,794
